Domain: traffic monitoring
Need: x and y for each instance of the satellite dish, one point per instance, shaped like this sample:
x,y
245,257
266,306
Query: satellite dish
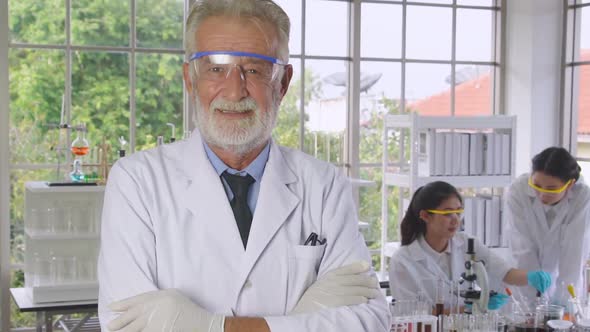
x,y
466,74
337,79
368,80
341,79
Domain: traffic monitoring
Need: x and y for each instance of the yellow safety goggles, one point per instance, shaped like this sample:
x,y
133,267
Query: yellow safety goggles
x,y
549,191
458,212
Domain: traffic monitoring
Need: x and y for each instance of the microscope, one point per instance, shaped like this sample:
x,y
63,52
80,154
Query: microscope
x,y
477,294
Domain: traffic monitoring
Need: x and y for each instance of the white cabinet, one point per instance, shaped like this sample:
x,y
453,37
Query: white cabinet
x,y
468,152
62,226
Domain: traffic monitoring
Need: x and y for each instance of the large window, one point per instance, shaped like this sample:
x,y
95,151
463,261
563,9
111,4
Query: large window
x,y
577,83
114,66
432,57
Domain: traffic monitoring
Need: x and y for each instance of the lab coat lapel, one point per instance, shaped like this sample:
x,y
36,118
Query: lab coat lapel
x,y
549,251
540,215
417,252
562,212
205,197
275,203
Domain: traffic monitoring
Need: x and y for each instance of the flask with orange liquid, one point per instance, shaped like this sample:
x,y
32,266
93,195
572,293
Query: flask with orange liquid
x,y
80,147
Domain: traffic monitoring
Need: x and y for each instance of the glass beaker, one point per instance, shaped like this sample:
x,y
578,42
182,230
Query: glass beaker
x,y
572,309
87,269
560,325
583,325
42,271
60,221
547,312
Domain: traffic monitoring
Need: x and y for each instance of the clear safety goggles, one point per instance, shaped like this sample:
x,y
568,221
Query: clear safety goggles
x,y
458,212
549,191
217,66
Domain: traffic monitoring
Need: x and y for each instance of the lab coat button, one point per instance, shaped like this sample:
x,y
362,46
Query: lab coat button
x,y
247,284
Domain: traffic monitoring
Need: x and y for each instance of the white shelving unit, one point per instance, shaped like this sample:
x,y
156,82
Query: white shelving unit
x,y
62,225
409,177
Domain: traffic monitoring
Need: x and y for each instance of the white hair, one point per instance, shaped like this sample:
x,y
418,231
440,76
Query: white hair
x,y
265,10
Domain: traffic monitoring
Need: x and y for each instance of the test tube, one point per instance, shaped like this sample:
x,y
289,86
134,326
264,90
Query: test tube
x,y
439,308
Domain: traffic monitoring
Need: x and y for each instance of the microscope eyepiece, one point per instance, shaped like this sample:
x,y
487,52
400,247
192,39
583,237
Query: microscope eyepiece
x,y
470,250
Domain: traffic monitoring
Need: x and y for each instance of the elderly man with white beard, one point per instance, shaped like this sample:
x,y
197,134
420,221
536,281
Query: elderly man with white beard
x,y
226,230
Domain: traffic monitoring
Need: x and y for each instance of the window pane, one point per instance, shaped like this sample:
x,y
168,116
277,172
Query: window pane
x,y
158,97
487,3
474,35
432,40
326,109
293,9
159,23
326,31
287,131
370,207
17,204
37,22
373,30
427,89
104,23
36,89
583,130
382,97
473,90
100,96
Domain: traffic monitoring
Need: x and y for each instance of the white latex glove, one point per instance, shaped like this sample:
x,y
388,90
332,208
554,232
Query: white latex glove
x,y
163,311
344,286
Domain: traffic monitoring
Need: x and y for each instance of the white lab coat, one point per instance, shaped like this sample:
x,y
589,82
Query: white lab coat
x,y
412,270
560,250
167,223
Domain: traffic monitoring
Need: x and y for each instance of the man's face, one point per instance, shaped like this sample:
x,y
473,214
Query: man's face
x,y
236,113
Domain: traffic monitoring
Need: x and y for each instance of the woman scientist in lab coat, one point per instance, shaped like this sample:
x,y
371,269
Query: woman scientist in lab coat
x,y
432,249
548,214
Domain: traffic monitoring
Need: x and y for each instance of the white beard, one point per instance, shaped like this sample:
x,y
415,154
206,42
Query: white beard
x,y
239,136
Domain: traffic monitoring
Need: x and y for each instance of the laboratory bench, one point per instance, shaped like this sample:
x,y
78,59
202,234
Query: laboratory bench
x,y
52,315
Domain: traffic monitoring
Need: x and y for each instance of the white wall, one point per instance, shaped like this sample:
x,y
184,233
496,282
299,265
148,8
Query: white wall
x,y
533,74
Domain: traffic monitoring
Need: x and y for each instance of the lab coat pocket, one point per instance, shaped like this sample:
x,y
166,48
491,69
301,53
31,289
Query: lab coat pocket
x,y
306,252
304,262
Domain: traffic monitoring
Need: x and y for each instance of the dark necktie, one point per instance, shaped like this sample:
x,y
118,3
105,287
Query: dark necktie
x,y
239,204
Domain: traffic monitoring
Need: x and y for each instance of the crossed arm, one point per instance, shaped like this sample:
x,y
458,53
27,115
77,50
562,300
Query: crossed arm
x,y
169,310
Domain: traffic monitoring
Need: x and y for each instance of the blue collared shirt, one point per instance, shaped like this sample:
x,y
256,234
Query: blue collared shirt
x,y
255,169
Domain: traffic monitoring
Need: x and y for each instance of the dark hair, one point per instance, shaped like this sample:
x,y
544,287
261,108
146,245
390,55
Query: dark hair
x,y
427,197
557,162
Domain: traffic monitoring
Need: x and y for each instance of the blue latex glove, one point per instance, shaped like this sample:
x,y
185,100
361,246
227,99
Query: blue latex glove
x,y
497,301
541,280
